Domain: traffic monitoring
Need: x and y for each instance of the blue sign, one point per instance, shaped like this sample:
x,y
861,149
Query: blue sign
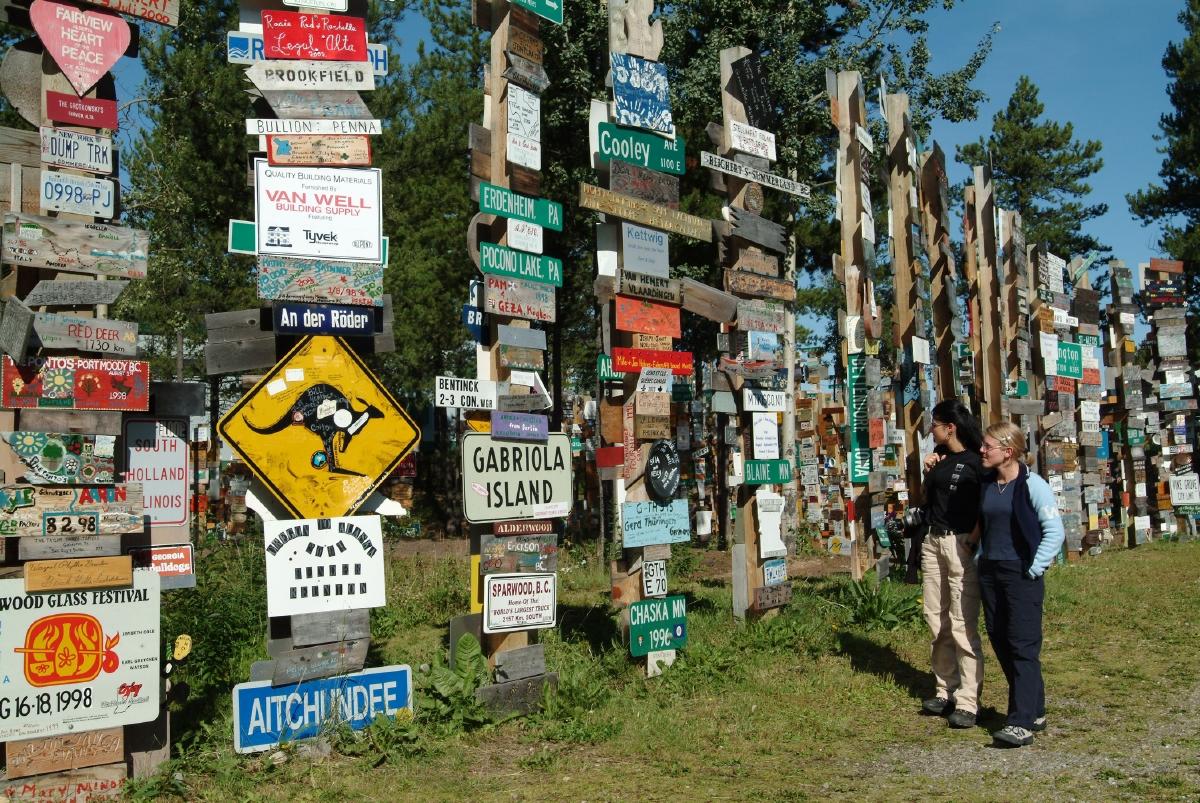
x,y
520,426
265,715
292,318
472,318
648,523
640,91
1103,452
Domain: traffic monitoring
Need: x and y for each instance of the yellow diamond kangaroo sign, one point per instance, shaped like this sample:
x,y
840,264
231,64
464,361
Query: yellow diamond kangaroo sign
x,y
320,430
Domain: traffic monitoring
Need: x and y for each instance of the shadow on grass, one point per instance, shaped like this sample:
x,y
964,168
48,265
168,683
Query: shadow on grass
x,y
867,655
699,604
594,624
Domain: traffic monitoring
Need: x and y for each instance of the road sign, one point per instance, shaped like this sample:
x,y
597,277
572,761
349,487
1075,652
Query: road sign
x,y
324,37
341,150
265,715
763,472
546,9
639,148
294,318
502,261
657,624
316,565
85,44
519,602
44,242
506,480
156,455
245,47
75,383
81,195
311,75
320,430
76,150
504,202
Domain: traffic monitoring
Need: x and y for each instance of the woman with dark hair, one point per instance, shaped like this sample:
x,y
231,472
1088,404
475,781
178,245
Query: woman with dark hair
x,y
951,585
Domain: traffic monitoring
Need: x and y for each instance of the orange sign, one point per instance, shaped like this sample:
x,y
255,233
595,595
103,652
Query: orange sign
x,y
648,317
67,648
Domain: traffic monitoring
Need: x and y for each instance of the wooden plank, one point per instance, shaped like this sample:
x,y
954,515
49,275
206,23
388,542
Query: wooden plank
x,y
307,74
63,458
92,784
753,284
75,383
15,329
42,242
76,574
19,147
775,596
27,510
757,261
68,751
105,336
708,302
31,194
319,661
334,104
516,697
98,422
643,184
649,317
468,623
71,546
527,74
74,294
653,288
646,214
148,745
524,44
758,230
521,663
320,628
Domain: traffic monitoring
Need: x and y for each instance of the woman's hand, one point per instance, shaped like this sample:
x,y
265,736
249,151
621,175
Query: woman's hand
x,y
932,460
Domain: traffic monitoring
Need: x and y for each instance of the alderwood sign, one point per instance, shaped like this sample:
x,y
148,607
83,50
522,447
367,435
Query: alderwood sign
x,y
104,250
519,298
311,75
647,214
76,150
342,150
31,510
324,37
84,44
75,383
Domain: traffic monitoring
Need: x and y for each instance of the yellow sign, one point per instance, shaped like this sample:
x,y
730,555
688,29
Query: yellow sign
x,y
478,420
320,430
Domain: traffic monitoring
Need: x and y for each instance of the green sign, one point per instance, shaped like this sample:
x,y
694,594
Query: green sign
x,y
639,148
657,624
576,444
1088,340
859,424
605,370
495,200
1070,360
1135,437
1187,510
499,260
763,472
546,9
681,392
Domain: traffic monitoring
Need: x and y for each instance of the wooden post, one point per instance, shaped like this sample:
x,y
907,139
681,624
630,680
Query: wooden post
x,y
943,292
991,370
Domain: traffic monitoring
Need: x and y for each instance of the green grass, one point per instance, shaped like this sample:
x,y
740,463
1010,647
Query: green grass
x,y
804,706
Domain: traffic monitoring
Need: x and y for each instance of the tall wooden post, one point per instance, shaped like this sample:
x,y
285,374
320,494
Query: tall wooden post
x,y
948,321
991,365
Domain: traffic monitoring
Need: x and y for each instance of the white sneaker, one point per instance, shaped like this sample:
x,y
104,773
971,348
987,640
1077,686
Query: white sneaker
x,y
1013,736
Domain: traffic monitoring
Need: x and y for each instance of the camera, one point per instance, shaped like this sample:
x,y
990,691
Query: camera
x,y
906,523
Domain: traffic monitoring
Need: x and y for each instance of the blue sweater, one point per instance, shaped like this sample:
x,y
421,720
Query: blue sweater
x,y
1036,526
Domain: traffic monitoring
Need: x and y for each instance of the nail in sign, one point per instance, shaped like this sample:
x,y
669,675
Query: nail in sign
x,y
84,44
326,37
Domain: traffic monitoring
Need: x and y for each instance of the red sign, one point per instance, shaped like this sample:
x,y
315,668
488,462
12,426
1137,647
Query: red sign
x,y
328,37
169,561
1166,265
408,467
534,527
76,383
90,112
610,456
1091,376
632,361
84,44
1062,384
875,433
647,317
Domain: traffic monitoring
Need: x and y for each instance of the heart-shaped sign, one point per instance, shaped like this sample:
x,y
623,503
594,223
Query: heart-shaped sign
x,y
84,44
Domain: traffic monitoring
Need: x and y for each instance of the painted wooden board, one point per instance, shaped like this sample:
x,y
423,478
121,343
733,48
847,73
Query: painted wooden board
x,y
291,279
319,661
647,214
97,783
647,523
754,141
750,77
524,44
344,150
76,383
758,230
644,184
78,574
84,43
104,250
652,318
653,288
526,74
29,510
322,37
731,167
315,105
652,342
64,458
752,284
80,195
105,336
53,293
76,150
651,427
774,596
757,261
323,628
57,547
760,316
268,75
509,554
98,113
67,751
518,357
263,126
628,360
519,298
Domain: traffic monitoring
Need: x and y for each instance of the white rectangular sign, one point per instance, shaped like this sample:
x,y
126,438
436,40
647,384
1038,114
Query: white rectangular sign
x,y
156,455
645,251
524,128
81,195
509,480
318,565
75,150
288,74
766,437
654,578
1185,489
655,380
319,212
257,126
466,394
78,660
751,140
519,602
524,236
763,401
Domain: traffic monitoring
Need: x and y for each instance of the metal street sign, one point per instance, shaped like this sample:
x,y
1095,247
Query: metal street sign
x,y
245,47
44,242
265,715
320,430
639,148
504,202
157,456
502,261
506,480
657,624
519,602
293,318
546,9
748,173
317,565
324,37
76,150
311,75
81,195
764,472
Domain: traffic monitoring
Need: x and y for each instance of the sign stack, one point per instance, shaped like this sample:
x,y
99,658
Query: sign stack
x,y
1094,456
96,482
516,473
1126,458
318,432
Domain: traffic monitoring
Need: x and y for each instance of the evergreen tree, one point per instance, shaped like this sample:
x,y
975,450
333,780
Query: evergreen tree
x,y
1040,170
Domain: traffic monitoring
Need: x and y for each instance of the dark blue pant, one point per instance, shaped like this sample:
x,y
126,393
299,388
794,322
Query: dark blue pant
x,y
1012,605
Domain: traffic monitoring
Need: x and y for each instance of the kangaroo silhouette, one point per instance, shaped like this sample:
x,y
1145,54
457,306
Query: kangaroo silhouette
x,y
326,412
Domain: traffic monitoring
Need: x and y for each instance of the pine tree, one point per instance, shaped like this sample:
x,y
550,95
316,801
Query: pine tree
x,y
1040,170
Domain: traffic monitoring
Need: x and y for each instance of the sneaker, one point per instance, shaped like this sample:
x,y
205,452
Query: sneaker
x,y
962,719
1038,725
937,706
1013,736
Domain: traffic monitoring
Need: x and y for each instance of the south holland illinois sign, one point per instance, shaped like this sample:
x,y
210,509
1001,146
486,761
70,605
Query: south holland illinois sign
x,y
320,430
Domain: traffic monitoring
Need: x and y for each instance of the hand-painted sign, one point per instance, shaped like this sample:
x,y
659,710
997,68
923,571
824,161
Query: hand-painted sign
x,y
265,715
245,47
647,214
174,564
640,91
504,480
324,37
644,251
294,318
519,426
156,455
262,127
268,75
90,112
504,202
760,316
518,553
519,602
648,185
499,260
654,288
342,150
764,472
86,334
84,44
80,195
649,523
78,574
751,140
308,104
79,661
752,284
546,9
519,298
319,212
751,78
634,360
657,624
640,315
43,242
76,150
287,279
465,394
524,138
75,383
64,752
320,430
64,458
164,12
635,147
88,511
534,527
316,565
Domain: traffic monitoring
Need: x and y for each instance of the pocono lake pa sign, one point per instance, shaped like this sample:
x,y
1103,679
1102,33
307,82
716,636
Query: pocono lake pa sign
x,y
506,480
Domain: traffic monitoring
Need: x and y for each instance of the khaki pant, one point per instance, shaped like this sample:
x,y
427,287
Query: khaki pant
x,y
951,597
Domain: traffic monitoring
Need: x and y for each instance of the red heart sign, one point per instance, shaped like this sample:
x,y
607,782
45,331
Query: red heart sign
x,y
84,44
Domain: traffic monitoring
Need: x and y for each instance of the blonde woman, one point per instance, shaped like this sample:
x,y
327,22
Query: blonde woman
x,y
1020,532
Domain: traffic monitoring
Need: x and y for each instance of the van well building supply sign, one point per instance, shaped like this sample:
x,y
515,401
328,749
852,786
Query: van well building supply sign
x,y
519,602
78,660
507,480
318,212
264,715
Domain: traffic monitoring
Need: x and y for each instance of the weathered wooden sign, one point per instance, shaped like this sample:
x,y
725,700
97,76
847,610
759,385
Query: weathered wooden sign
x,y
750,173
320,430
319,661
263,127
752,228
525,73
652,403
519,602
627,360
57,293
521,336
84,44
31,510
318,212
16,328
657,624
652,427
635,147
76,383
291,279
753,284
647,214
505,203
343,150
645,251
518,553
643,183
751,77
97,783
500,260
102,646
759,316
518,357
80,195
78,574
323,37
654,288
317,565
86,334
64,458
772,596
68,751
640,315
640,94
90,112
311,75
316,105
524,137
43,242
295,318
164,12
519,298
505,480
76,150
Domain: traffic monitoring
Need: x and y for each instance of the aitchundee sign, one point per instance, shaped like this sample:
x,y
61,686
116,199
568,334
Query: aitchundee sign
x,y
506,480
